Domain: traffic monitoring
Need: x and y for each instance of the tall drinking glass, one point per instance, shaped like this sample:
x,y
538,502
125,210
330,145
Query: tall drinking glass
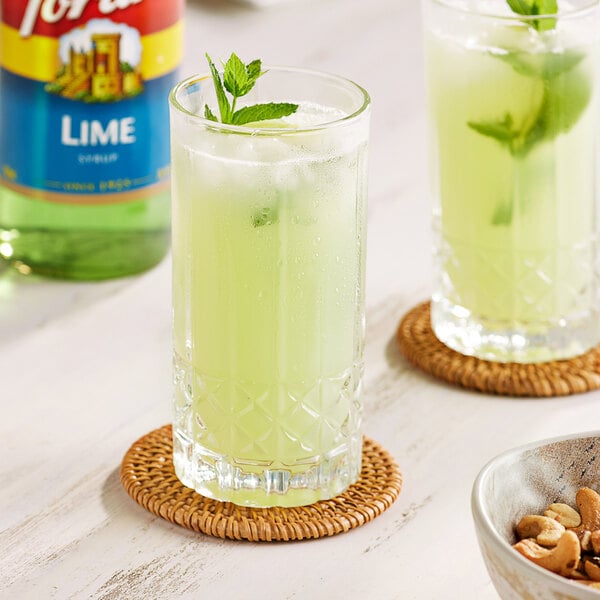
x,y
268,291
513,110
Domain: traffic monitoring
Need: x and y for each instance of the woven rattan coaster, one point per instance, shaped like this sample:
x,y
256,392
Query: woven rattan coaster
x,y
148,477
557,378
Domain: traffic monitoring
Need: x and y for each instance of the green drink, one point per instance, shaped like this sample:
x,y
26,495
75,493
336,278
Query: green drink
x,y
513,113
268,292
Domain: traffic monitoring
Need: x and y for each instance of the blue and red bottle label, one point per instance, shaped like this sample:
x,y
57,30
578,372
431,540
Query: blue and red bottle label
x,y
83,97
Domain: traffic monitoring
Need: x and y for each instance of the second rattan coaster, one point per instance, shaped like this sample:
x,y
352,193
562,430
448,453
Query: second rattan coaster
x,y
557,378
148,476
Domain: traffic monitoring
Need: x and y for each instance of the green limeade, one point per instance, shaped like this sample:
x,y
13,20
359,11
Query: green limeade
x,y
268,253
513,148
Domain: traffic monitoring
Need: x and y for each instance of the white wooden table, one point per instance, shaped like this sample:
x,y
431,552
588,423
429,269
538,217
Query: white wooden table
x,y
85,370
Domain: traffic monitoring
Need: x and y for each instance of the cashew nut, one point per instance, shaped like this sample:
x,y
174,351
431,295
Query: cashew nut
x,y
579,575
585,539
546,531
595,541
592,569
564,514
588,503
562,559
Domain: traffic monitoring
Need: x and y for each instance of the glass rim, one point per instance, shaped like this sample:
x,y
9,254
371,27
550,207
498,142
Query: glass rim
x,y
589,6
271,131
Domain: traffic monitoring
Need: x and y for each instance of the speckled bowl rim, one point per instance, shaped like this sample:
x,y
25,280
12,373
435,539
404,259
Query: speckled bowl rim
x,y
483,521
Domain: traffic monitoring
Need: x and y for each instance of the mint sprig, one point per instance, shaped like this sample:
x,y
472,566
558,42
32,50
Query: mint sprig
x,y
532,8
238,79
563,92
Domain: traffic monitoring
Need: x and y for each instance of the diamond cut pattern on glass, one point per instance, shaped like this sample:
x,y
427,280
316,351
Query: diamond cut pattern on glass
x,y
246,436
527,286
293,422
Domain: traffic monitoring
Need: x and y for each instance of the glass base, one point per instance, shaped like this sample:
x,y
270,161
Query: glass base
x,y
229,480
513,341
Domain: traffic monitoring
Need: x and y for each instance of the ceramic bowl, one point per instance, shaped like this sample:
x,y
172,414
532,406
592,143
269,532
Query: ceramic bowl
x,y
523,481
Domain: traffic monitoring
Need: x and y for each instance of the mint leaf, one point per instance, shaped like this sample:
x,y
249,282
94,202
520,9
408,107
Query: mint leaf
x,y
520,7
529,8
253,70
546,7
208,114
558,63
267,215
235,77
224,107
567,97
530,136
545,66
503,213
502,131
520,62
262,112
238,80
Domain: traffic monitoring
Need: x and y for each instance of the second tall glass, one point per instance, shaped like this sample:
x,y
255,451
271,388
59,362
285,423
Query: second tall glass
x,y
513,109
